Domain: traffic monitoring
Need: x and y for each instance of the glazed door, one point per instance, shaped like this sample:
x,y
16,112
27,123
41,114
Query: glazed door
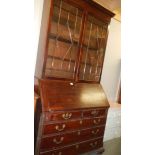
x,y
93,50
63,40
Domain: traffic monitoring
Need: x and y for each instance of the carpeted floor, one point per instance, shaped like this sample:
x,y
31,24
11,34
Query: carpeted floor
x,y
112,147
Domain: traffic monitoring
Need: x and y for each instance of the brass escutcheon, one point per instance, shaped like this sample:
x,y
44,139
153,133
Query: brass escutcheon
x,y
66,115
58,142
60,129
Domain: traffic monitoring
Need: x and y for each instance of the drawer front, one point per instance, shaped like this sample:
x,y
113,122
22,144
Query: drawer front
x,y
91,133
71,150
62,127
70,138
73,125
59,116
95,113
90,145
49,143
77,148
93,122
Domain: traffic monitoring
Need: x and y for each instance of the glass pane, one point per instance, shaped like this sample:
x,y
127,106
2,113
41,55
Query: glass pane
x,y
63,40
93,50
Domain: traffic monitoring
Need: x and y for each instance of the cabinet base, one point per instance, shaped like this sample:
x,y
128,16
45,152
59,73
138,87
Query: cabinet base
x,y
100,151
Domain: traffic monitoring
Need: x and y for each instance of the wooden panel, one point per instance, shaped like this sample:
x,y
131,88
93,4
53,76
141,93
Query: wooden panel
x,y
61,95
52,142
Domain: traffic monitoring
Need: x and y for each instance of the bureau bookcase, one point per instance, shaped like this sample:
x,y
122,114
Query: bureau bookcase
x,y
74,105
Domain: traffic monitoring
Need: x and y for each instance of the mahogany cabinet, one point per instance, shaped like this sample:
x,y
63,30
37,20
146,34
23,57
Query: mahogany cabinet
x,y
74,105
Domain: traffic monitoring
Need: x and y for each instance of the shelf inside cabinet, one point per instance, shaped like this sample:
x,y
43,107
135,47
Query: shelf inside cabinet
x,y
67,40
63,39
50,72
58,58
73,61
59,70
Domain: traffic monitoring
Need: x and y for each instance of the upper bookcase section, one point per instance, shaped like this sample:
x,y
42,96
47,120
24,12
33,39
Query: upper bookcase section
x,y
76,40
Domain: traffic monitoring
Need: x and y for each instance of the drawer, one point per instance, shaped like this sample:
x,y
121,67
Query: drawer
x,y
77,148
62,127
93,122
71,150
59,116
90,145
73,125
53,142
95,113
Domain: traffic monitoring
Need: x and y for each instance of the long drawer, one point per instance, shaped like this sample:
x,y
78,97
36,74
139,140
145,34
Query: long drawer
x,y
77,148
73,125
53,142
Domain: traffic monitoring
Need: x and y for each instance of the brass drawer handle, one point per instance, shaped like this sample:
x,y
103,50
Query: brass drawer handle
x,y
93,145
79,133
94,112
58,142
67,115
97,122
60,153
95,132
77,146
60,129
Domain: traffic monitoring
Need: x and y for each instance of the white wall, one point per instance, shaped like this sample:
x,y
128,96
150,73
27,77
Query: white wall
x,y
38,8
111,68
42,16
